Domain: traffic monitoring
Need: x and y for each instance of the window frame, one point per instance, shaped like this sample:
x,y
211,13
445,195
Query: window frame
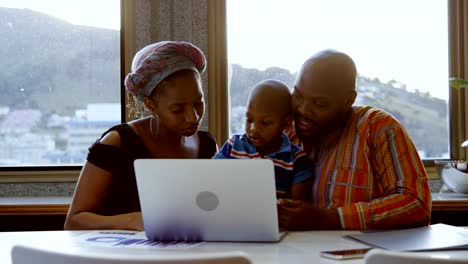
x,y
24,174
458,67
218,103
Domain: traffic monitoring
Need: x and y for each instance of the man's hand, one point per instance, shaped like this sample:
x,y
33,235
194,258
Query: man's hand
x,y
299,215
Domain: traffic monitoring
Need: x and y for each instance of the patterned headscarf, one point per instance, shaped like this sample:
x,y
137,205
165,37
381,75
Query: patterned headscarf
x,y
155,62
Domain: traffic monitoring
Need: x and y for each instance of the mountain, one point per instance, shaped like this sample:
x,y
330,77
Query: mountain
x,y
55,66
424,117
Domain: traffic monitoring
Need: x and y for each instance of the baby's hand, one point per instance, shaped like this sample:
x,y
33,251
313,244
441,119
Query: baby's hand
x,y
281,194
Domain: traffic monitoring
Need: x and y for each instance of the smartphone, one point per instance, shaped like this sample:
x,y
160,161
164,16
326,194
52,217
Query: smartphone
x,y
345,254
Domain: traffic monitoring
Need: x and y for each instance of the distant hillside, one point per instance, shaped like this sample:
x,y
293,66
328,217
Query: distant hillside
x,y
52,65
424,117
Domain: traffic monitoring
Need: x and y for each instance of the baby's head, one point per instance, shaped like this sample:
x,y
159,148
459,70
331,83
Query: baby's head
x,y
268,112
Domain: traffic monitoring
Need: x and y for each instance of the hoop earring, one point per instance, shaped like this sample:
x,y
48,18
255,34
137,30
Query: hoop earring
x,y
157,125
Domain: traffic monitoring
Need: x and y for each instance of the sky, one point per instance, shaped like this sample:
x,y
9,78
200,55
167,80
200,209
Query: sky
x,y
97,13
389,39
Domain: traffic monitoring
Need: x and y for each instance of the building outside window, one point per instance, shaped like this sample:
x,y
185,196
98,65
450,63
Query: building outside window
x,y
60,79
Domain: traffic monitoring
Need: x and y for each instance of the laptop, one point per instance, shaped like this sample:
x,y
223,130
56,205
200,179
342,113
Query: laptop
x,y
208,199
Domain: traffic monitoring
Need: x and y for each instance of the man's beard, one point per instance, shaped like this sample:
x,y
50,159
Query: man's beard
x,y
309,137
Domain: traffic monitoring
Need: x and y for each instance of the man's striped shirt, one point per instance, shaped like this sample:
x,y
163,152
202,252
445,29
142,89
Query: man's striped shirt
x,y
371,172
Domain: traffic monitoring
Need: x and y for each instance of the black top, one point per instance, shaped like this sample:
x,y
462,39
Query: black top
x,y
122,196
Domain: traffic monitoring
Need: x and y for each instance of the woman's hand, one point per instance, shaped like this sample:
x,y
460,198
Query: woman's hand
x,y
299,215
135,221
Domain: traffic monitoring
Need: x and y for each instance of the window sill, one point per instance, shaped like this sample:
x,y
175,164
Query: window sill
x,y
60,205
35,176
449,202
39,176
34,205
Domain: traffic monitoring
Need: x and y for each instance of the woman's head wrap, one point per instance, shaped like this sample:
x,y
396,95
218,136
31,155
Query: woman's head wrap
x,y
155,62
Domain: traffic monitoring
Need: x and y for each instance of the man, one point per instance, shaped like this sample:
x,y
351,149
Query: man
x,y
368,174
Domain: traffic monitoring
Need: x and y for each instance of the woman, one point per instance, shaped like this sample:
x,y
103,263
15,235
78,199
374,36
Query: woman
x,y
165,77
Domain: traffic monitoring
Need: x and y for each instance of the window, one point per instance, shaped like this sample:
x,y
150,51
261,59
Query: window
x,y
400,49
60,79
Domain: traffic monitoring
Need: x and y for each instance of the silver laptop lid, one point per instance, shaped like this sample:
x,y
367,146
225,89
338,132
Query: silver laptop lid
x,y
209,200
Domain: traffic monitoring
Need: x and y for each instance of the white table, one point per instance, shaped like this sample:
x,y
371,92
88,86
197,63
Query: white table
x,y
296,247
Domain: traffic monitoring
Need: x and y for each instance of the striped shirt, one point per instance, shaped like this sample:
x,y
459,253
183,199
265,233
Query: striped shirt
x,y
291,163
371,172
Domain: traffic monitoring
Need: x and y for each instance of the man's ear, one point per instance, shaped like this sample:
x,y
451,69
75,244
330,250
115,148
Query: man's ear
x,y
351,98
